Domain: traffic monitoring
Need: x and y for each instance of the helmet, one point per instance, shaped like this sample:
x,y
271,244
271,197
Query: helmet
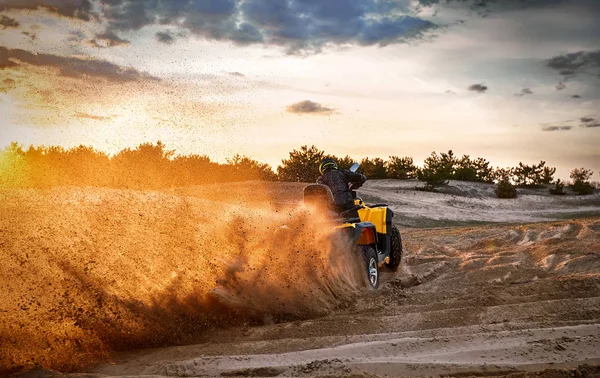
x,y
326,164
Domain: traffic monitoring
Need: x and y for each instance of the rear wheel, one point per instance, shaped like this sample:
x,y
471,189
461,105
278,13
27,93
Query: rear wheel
x,y
396,249
372,268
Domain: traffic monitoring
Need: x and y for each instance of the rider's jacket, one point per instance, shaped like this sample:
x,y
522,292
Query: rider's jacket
x,y
338,181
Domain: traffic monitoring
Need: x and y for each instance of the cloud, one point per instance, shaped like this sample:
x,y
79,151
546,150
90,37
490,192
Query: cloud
x,y
300,25
108,39
560,86
237,74
556,128
165,37
477,88
81,9
524,92
71,67
589,122
91,116
8,22
450,92
309,107
582,62
576,96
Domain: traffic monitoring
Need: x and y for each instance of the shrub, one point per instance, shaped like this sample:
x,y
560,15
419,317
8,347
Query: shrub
x,y
558,188
583,188
505,189
580,177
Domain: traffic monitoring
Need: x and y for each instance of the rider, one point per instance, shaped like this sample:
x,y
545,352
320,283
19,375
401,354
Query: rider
x,y
339,182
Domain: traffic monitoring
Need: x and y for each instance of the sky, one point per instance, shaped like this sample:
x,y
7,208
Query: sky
x,y
511,81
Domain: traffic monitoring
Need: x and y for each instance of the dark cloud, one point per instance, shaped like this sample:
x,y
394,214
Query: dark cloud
x,y
486,7
237,74
582,62
560,86
576,96
524,92
108,39
298,25
310,107
71,67
91,116
556,128
81,9
477,88
165,37
8,22
589,122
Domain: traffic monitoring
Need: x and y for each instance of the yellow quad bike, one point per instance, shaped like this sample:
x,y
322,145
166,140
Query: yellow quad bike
x,y
372,231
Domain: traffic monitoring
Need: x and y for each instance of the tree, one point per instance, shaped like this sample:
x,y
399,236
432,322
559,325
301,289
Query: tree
x,y
373,168
548,175
147,166
485,173
401,168
249,169
580,177
437,170
302,165
533,175
465,169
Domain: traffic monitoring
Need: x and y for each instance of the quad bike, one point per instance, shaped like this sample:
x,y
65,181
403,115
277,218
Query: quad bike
x,y
368,227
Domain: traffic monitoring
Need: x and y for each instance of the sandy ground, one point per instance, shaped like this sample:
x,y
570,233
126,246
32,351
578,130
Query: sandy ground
x,y
469,203
480,301
518,300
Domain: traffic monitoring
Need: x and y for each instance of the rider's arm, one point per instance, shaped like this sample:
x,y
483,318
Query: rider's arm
x,y
355,177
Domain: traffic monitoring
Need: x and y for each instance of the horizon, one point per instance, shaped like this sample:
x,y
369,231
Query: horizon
x,y
510,82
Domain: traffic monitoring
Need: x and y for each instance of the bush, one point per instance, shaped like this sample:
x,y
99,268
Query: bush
x,y
580,177
583,188
558,188
505,189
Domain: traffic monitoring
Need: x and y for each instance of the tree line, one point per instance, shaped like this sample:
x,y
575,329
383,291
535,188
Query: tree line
x,y
153,166
148,166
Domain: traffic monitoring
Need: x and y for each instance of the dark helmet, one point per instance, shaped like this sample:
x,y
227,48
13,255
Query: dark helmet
x,y
326,164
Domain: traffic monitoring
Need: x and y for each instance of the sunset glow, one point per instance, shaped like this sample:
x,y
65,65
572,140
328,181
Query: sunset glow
x,y
509,81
